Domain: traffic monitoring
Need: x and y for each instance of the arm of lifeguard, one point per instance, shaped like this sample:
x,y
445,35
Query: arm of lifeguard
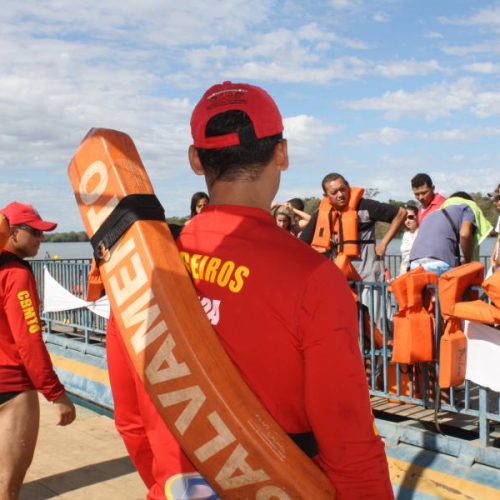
x,y
22,311
336,393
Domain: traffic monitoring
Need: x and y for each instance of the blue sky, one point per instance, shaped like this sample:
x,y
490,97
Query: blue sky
x,y
377,90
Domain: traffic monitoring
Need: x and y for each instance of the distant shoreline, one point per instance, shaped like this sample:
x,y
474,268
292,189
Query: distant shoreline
x,y
83,249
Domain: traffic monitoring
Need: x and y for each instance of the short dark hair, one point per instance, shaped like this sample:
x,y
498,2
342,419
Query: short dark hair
x,y
200,195
332,177
462,194
297,203
411,208
243,161
420,180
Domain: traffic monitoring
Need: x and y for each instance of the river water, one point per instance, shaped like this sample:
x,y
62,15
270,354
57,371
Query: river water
x,y
83,250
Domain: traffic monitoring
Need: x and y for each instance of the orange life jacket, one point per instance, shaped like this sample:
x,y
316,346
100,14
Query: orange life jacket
x,y
343,223
477,310
492,288
410,381
413,324
453,344
95,285
349,271
454,283
4,230
452,354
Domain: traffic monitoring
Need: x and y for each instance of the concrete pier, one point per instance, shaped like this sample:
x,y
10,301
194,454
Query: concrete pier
x,y
86,460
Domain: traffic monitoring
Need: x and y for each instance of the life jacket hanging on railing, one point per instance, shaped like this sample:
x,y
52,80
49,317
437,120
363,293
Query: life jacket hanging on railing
x,y
479,310
453,285
95,285
413,340
349,271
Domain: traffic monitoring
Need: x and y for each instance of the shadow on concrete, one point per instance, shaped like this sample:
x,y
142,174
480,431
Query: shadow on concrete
x,y
58,484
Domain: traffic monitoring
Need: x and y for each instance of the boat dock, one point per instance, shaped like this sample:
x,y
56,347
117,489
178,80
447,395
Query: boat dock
x,y
86,460
440,443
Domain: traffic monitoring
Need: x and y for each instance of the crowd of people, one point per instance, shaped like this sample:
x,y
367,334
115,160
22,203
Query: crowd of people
x,y
295,344
439,233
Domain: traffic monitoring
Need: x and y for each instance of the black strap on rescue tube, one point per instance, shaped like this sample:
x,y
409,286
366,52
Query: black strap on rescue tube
x,y
306,442
130,209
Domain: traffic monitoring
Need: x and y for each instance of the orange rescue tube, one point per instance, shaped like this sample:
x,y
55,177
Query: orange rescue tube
x,y
220,424
4,230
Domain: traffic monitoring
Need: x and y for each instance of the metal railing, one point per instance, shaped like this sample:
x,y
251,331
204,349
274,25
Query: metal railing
x,y
415,384
72,274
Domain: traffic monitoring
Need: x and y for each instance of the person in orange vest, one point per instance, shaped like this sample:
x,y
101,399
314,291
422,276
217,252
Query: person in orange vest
x,y
344,224
424,192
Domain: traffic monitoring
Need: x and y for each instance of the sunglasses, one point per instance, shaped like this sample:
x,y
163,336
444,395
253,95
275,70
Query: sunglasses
x,y
410,217
29,229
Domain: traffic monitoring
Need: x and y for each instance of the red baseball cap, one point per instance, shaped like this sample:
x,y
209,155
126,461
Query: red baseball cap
x,y
254,101
20,213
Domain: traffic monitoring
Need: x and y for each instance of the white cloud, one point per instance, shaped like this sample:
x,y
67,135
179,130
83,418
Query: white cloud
x,y
346,4
433,101
346,68
484,68
306,134
381,17
491,47
285,55
433,35
408,68
487,104
488,16
460,134
384,135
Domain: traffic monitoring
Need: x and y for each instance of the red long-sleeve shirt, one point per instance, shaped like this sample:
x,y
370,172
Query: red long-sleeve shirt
x,y
286,317
24,361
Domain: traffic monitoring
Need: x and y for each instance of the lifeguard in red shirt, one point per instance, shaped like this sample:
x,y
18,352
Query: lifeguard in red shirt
x,y
25,365
284,313
429,200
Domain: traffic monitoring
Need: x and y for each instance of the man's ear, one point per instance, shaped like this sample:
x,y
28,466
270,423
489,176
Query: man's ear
x,y
281,155
194,161
13,233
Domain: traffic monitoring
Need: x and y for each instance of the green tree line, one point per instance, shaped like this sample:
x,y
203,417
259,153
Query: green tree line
x,y
311,204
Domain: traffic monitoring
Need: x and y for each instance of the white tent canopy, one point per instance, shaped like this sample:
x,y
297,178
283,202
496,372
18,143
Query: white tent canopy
x,y
56,298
